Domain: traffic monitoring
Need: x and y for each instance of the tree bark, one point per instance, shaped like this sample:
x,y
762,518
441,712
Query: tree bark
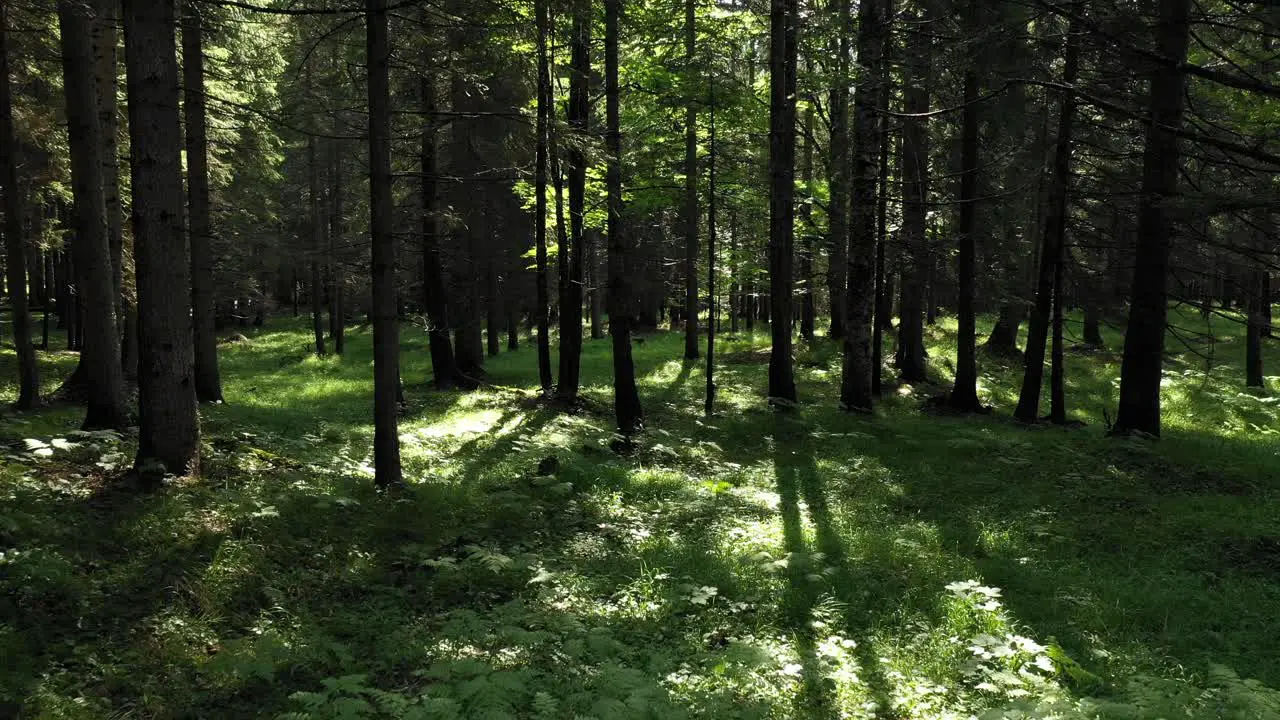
x,y
910,357
578,117
1003,339
964,394
855,386
16,264
337,229
808,307
386,322
540,199
169,432
208,382
784,17
690,186
1141,369
626,397
100,355
434,301
710,398
1051,246
1253,335
106,17
838,164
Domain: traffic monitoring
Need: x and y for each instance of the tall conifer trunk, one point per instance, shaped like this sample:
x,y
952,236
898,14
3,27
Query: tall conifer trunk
x,y
1051,246
208,382
386,325
690,185
783,19
169,432
1142,366
579,109
855,384
15,250
626,397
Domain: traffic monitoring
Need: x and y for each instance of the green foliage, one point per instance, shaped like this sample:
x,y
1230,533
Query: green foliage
x,y
751,565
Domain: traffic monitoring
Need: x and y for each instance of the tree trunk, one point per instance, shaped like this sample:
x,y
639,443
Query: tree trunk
x,y
386,323
784,17
337,228
626,397
434,302
169,432
1057,376
838,165
807,306
578,112
710,398
855,385
100,355
1253,335
1003,339
106,17
15,265
690,186
1141,368
208,382
1051,247
1093,324
964,395
910,357
598,272
540,199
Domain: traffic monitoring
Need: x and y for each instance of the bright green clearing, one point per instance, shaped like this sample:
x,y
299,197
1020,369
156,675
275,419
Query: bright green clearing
x,y
757,565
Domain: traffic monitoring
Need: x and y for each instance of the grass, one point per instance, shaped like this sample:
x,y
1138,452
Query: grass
x,y
755,565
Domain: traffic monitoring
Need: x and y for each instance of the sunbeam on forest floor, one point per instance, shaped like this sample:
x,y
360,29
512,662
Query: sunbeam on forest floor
x,y
750,565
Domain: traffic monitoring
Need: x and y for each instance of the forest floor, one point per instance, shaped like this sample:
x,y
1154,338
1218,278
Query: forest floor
x,y
807,564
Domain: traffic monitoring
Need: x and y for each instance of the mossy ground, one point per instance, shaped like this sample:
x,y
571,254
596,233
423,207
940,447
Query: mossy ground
x,y
755,564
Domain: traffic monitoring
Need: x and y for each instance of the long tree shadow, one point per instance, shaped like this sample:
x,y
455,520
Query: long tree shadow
x,y
799,478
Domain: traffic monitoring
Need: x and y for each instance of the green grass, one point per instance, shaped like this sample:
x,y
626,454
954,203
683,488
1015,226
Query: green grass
x,y
808,564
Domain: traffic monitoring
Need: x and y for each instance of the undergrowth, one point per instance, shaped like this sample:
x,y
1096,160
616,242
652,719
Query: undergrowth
x,y
807,564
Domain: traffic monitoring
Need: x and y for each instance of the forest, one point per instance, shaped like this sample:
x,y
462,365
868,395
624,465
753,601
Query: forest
x,y
639,359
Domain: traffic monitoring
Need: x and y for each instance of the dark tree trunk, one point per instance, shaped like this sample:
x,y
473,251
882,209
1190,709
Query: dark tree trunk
x,y
855,385
100,354
513,330
492,309
1057,376
882,216
386,324
1141,368
540,200
1051,247
337,228
598,281
47,264
1003,339
316,287
1093,324
578,111
106,18
690,187
964,395
784,17
805,259
1267,324
838,165
208,382
916,257
1256,325
709,402
169,433
626,397
434,301
15,266
735,288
